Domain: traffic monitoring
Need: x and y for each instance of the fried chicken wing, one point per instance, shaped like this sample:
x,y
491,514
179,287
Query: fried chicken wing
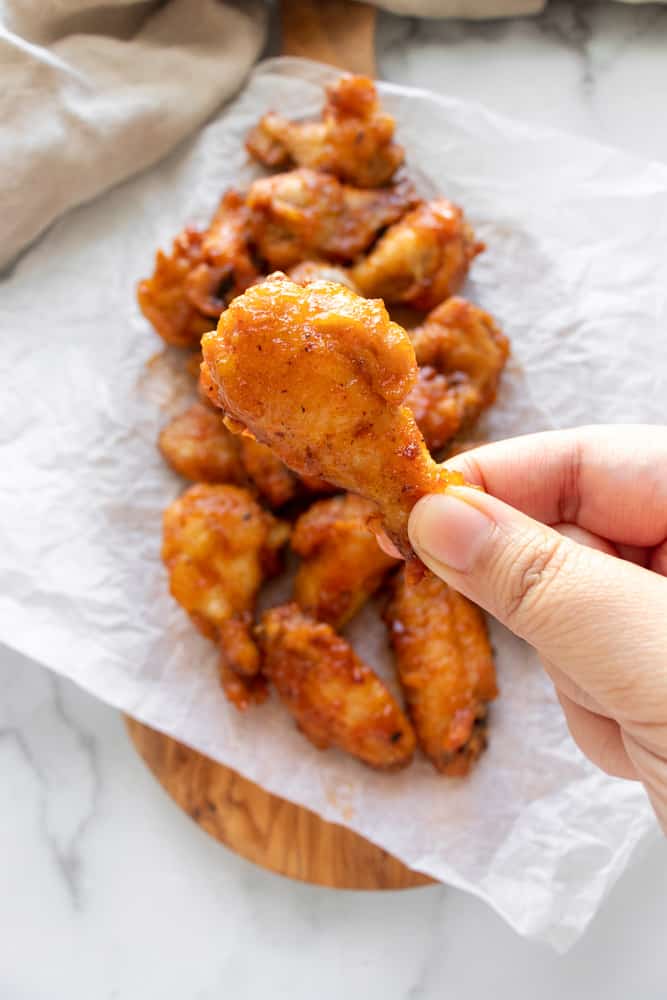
x,y
462,353
318,270
204,270
421,260
342,563
226,267
218,546
273,479
162,297
198,446
241,690
304,214
320,375
354,140
336,699
445,667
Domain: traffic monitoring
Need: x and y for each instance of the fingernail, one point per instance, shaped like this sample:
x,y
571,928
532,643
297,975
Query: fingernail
x,y
445,528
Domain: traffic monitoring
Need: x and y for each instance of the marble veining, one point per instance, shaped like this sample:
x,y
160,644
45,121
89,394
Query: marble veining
x,y
107,891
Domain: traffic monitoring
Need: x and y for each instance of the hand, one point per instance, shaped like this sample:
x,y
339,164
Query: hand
x,y
577,566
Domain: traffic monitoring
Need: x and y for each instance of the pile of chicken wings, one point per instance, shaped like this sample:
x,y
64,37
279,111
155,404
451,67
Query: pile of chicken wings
x,y
318,420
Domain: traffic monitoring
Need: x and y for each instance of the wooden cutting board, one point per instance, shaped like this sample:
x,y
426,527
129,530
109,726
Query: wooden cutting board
x,y
261,827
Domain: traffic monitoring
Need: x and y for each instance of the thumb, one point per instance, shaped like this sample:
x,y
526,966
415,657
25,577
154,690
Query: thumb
x,y
596,617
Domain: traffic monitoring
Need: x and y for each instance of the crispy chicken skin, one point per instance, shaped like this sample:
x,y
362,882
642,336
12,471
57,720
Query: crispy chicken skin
x,y
218,546
304,214
191,286
226,266
241,690
335,698
461,352
446,669
353,141
198,446
318,270
342,563
162,297
276,483
321,376
421,260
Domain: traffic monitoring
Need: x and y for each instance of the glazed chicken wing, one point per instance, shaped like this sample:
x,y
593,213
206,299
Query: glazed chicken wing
x,y
226,267
421,260
462,353
336,699
198,446
162,297
276,483
354,140
342,563
218,546
204,270
445,667
304,214
321,375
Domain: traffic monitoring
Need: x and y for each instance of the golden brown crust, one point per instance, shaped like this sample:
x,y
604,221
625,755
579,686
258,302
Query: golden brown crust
x,y
304,214
242,691
190,287
276,483
422,259
218,546
336,699
353,141
320,375
342,564
162,297
445,666
198,446
226,268
462,352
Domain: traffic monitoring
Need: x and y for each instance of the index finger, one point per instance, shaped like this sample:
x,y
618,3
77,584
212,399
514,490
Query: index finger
x,y
609,479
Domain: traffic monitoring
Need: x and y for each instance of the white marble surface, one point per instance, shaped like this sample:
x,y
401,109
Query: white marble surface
x,y
107,891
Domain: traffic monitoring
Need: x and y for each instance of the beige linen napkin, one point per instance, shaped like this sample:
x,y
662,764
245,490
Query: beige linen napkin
x,y
91,93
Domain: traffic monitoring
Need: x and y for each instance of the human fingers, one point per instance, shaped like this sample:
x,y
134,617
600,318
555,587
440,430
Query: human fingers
x,y
599,738
598,618
610,480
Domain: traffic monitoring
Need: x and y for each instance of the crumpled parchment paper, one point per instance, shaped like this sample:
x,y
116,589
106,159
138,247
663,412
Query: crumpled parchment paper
x,y
576,272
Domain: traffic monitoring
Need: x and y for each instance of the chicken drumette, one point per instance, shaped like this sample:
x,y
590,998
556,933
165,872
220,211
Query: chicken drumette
x,y
354,140
304,214
218,546
321,375
446,669
342,563
421,260
336,699
461,353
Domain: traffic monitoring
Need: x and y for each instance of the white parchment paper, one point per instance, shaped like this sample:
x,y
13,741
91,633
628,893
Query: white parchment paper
x,y
576,272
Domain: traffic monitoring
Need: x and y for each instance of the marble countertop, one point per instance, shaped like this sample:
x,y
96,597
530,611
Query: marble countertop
x,y
108,891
